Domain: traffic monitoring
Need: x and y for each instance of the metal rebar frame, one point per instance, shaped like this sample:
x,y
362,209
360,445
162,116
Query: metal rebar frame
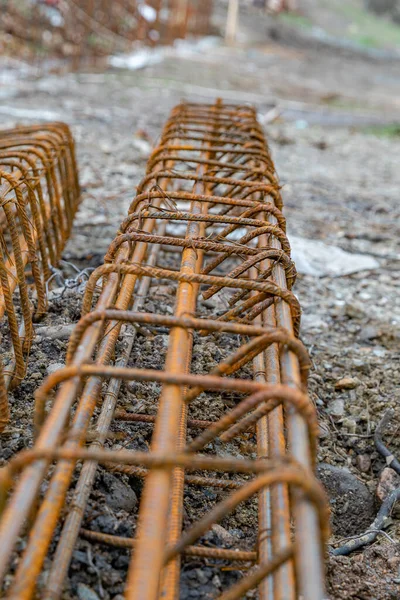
x,y
211,197
39,195
91,29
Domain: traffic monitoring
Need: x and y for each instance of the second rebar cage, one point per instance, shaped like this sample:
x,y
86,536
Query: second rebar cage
x,y
88,30
39,195
206,225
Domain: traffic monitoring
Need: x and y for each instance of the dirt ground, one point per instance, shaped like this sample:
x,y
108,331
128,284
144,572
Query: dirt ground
x,y
336,147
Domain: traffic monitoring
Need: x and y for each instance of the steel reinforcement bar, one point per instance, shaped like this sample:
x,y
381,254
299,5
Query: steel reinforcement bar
x,y
206,227
39,195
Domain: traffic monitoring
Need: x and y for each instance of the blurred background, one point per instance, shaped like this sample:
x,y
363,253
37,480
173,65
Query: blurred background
x,y
325,78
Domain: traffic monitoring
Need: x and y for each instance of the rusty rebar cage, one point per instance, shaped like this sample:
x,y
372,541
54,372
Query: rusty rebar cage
x,y
207,224
91,29
39,195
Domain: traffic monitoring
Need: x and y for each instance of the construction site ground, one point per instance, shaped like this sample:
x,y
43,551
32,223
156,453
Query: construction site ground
x,y
330,115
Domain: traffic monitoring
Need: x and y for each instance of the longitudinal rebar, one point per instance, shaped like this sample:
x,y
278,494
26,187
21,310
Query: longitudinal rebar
x,y
39,195
211,195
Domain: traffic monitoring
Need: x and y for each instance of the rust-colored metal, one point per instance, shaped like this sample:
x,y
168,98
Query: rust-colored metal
x,y
83,30
211,195
39,195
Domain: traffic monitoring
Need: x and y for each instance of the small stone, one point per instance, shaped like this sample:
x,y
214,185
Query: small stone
x,y
81,557
360,365
191,574
321,145
336,408
111,578
354,310
35,376
223,534
216,581
122,562
202,576
119,495
53,367
7,453
347,383
86,593
370,333
312,322
132,386
105,147
394,562
237,533
208,303
363,462
379,351
350,425
164,340
388,481
324,430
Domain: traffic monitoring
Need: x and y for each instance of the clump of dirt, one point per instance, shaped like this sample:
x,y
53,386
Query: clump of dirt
x,y
352,504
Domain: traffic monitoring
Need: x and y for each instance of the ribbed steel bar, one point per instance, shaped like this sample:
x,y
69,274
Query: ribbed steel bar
x,y
211,194
85,483
39,195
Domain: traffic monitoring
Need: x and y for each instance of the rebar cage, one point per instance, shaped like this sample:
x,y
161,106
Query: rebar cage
x,y
206,226
78,31
39,195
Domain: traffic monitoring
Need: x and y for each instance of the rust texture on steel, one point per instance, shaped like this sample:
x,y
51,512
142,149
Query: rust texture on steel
x,y
39,195
207,224
77,30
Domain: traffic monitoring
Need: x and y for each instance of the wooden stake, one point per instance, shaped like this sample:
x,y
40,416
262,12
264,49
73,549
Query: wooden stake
x,y
232,21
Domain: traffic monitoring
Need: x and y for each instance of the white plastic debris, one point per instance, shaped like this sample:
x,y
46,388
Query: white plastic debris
x,y
137,60
148,13
313,257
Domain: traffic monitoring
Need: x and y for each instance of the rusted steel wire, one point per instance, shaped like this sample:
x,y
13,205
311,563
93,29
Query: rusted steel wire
x,y
39,195
211,194
114,540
